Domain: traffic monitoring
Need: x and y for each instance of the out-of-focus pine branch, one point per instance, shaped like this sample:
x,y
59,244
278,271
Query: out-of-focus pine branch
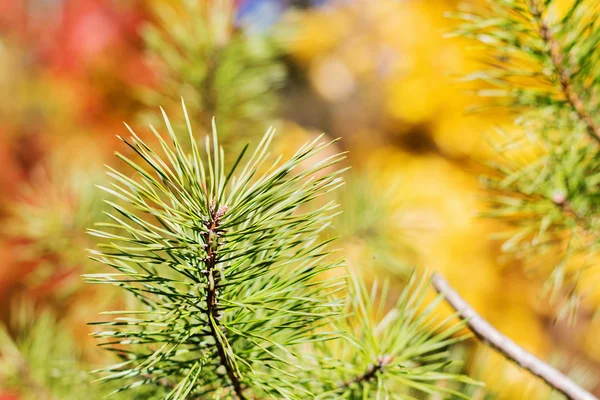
x,y
40,358
543,66
201,54
47,225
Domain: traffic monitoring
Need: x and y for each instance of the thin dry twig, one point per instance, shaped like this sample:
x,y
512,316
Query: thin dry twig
x,y
490,335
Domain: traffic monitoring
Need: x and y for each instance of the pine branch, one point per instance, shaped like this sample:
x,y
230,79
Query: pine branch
x,y
202,54
390,353
541,63
231,273
557,58
229,269
488,334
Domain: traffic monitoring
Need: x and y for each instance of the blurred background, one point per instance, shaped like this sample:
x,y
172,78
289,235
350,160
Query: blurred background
x,y
378,74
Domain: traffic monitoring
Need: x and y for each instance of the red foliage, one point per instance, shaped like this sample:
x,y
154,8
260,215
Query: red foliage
x,y
94,50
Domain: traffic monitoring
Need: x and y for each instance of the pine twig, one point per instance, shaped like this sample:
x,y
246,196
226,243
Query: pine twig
x,y
488,334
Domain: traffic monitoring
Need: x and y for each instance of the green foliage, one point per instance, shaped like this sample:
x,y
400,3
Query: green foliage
x,y
41,359
202,56
397,353
39,367
238,293
542,66
48,223
227,266
55,208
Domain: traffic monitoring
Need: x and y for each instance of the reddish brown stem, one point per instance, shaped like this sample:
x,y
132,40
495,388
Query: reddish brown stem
x,y
211,239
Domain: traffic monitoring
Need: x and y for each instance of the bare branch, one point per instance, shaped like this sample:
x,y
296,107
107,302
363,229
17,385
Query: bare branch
x,y
490,335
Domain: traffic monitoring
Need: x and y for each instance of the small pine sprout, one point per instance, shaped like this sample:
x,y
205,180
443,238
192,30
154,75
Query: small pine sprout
x,y
228,266
398,352
540,64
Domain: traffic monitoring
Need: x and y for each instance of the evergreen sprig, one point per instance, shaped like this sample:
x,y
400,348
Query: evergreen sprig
x,y
542,66
392,353
237,293
227,265
201,54
35,367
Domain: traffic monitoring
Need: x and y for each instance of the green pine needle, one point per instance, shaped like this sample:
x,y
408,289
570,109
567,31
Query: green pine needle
x,y
397,353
